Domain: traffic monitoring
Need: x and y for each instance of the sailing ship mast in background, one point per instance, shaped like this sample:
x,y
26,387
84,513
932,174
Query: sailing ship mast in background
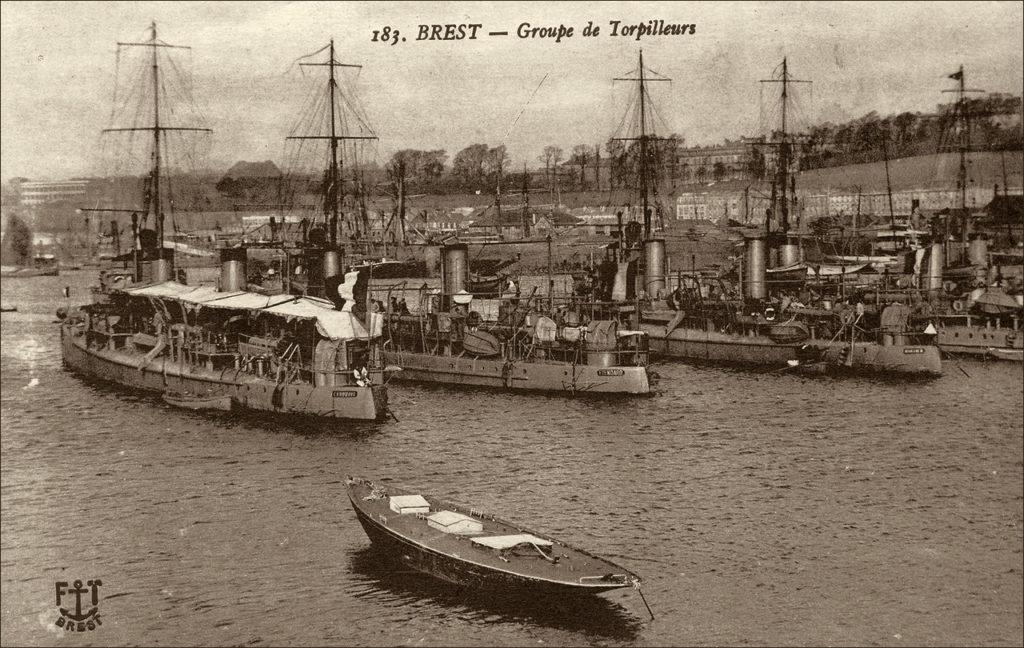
x,y
643,113
154,203
784,184
331,106
644,127
958,137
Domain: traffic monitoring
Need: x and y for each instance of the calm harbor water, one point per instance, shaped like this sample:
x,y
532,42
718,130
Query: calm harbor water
x,y
759,508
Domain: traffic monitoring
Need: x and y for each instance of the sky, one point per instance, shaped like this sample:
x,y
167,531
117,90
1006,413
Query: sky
x,y
57,64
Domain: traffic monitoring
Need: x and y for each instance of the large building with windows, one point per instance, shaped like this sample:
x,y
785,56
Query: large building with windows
x,y
748,158
728,161
41,193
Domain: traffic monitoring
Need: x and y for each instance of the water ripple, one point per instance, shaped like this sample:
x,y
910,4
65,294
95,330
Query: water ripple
x,y
758,509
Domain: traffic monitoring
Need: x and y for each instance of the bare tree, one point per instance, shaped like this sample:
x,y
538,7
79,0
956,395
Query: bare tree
x,y
551,156
580,157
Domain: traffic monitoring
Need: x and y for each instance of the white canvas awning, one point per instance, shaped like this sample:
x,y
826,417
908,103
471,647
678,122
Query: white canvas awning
x,y
204,294
446,518
330,323
508,541
404,504
165,289
821,269
829,270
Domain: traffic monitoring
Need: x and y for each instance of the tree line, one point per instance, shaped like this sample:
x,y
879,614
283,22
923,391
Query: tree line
x,y
994,126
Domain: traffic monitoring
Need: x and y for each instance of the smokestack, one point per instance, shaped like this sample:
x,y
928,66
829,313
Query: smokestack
x,y
432,257
232,269
977,252
136,249
754,285
456,268
936,264
115,233
655,262
161,268
789,254
332,264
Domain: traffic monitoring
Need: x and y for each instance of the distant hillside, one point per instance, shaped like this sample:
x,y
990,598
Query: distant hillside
x,y
265,169
918,172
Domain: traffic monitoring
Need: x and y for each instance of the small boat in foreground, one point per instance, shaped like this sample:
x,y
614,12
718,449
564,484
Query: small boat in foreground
x,y
471,548
189,400
1013,355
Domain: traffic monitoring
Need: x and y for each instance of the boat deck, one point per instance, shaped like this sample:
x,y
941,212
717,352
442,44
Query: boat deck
x,y
498,547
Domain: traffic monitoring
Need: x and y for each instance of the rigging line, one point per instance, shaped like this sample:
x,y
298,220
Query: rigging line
x,y
348,92
523,109
305,109
135,90
117,73
655,113
355,113
319,114
629,110
307,115
361,117
314,118
186,89
306,56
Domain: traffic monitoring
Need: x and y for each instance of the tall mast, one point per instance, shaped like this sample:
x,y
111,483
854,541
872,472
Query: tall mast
x,y
965,136
332,192
333,174
962,126
782,173
641,81
526,198
888,182
643,151
783,152
497,190
154,199
158,216
1002,157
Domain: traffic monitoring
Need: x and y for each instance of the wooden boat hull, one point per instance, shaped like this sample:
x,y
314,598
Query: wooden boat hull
x,y
519,376
712,346
24,273
481,344
459,572
484,287
1011,355
196,402
249,392
395,269
460,568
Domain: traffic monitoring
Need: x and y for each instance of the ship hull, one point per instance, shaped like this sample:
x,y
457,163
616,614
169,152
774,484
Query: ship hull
x,y
25,273
454,570
519,376
247,392
711,346
979,340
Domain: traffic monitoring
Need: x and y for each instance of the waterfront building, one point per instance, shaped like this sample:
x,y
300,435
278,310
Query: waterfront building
x,y
33,193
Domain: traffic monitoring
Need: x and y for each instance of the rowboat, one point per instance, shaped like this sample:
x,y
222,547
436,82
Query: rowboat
x,y
192,401
1013,355
467,547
